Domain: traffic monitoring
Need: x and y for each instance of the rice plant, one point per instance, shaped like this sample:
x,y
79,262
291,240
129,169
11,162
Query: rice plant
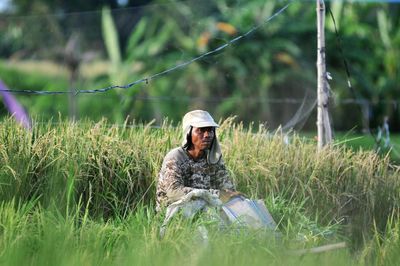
x,y
89,188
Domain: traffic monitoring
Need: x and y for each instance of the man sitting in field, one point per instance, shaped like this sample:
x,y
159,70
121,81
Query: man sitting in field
x,y
196,166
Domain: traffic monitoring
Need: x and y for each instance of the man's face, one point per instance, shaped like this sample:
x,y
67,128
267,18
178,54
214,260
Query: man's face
x,y
202,137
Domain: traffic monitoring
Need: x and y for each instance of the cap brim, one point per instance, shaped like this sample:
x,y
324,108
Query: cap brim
x,y
205,124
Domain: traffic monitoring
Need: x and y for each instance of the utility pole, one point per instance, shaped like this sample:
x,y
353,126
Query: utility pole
x,y
323,124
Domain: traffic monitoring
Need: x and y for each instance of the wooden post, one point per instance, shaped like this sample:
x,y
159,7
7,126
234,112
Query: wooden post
x,y
72,59
323,124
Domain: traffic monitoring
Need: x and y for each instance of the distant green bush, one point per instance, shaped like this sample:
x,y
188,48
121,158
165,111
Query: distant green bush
x,y
56,105
45,106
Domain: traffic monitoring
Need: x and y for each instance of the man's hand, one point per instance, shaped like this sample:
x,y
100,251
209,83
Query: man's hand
x,y
226,195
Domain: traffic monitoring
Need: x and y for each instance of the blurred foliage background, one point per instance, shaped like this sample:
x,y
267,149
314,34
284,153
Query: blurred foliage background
x,y
269,76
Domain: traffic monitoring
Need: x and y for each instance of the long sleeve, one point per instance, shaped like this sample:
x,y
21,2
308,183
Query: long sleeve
x,y
172,182
223,180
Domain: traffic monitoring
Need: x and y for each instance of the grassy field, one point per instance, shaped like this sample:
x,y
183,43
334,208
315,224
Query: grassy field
x,y
365,142
84,194
368,142
46,237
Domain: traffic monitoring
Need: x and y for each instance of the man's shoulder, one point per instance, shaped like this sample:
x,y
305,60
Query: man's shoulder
x,y
177,154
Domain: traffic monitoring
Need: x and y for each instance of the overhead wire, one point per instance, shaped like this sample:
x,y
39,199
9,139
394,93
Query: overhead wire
x,y
154,76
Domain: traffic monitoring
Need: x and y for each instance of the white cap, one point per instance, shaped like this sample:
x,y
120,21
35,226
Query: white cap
x,y
198,118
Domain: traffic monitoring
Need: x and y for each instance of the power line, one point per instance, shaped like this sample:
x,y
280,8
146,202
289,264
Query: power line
x,y
259,100
147,79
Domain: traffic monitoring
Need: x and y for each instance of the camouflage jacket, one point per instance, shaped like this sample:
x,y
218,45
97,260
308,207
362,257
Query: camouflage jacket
x,y
180,174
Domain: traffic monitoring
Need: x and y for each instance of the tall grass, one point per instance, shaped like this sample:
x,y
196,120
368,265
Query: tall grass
x,y
337,183
36,236
107,171
383,248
